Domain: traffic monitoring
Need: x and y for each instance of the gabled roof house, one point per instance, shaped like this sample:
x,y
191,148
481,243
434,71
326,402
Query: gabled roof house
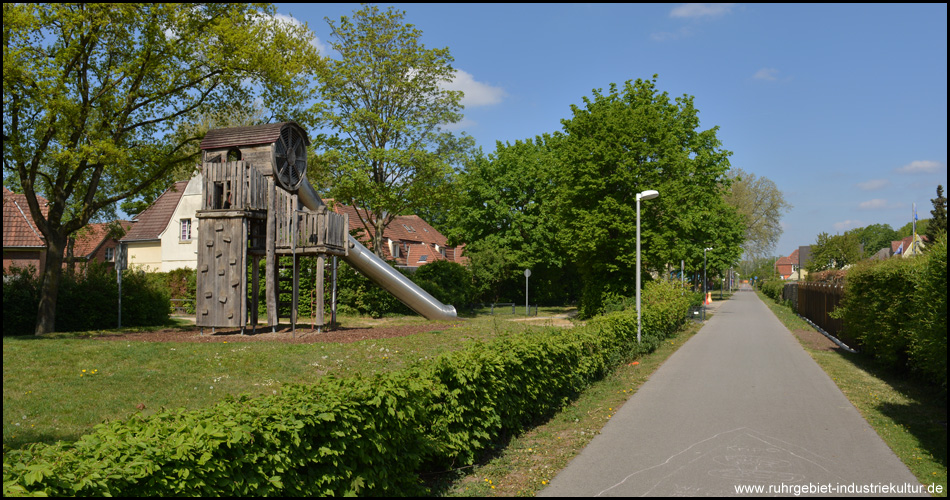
x,y
164,236
408,240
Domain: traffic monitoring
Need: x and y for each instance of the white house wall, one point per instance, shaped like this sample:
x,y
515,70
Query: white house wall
x,y
176,253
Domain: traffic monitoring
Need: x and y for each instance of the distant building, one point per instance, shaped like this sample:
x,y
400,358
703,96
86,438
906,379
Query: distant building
x,y
164,236
408,240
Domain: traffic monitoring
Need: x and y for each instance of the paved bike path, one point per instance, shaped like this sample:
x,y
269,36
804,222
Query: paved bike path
x,y
741,403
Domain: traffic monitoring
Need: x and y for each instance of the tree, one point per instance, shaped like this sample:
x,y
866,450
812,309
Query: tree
x,y
93,95
875,237
385,100
834,252
761,205
623,143
938,223
507,201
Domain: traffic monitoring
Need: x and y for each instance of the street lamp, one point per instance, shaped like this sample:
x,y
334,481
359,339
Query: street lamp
x,y
704,282
646,195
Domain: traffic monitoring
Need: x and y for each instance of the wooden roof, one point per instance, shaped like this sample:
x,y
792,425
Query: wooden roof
x,y
246,136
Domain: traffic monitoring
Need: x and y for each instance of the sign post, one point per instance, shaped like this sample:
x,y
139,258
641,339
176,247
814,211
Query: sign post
x,y
527,273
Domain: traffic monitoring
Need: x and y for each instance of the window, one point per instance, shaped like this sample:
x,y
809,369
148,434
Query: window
x,y
110,254
423,258
409,228
186,230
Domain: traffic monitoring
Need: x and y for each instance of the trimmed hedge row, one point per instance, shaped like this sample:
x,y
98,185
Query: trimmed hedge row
x,y
366,436
897,309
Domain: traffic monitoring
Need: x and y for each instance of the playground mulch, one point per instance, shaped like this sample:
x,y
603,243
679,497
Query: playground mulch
x,y
303,335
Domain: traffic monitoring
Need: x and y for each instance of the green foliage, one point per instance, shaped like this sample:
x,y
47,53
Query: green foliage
x,y
506,215
357,293
448,282
385,101
923,226
94,94
875,237
355,436
897,308
182,285
928,346
773,288
21,295
938,223
626,142
834,252
89,299
761,204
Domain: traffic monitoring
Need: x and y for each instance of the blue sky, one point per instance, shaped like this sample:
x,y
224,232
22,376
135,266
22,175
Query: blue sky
x,y
844,107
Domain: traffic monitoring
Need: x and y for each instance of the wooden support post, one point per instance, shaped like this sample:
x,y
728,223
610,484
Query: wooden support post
x,y
270,268
321,261
333,292
295,295
255,290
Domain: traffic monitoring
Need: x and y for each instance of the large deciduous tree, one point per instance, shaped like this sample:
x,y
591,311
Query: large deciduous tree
x,y
631,140
385,100
761,204
507,203
94,94
834,252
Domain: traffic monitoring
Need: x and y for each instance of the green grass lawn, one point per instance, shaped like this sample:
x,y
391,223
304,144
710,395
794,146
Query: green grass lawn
x,y
907,414
58,388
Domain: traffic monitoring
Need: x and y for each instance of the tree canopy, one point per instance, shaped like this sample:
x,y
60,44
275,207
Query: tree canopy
x,y
94,94
627,141
385,100
938,221
761,205
834,251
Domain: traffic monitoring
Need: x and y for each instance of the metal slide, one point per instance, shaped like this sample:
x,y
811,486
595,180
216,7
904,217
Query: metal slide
x,y
380,272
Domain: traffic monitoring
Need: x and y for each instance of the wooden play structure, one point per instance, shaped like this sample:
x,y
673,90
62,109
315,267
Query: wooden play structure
x,y
257,205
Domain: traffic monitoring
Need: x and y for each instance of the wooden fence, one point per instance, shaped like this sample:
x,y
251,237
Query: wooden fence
x,y
816,301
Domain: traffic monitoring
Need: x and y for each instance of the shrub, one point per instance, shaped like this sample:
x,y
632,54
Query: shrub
x,y
350,436
448,282
21,298
928,345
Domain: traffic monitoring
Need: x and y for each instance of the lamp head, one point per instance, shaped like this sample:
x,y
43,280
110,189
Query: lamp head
x,y
648,194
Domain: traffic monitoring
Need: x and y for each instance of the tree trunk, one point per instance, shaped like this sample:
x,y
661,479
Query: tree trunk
x,y
378,238
49,286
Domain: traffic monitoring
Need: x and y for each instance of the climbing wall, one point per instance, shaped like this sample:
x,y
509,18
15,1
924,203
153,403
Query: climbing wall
x,y
222,269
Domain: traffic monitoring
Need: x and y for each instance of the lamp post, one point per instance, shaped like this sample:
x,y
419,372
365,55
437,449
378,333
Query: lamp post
x,y
704,282
646,195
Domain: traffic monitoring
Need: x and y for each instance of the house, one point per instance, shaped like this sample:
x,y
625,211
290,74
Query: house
x,y
793,267
908,246
164,236
408,240
95,243
783,267
23,244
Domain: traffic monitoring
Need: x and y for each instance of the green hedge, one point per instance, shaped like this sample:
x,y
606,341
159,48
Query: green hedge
x,y
351,436
897,309
773,289
87,300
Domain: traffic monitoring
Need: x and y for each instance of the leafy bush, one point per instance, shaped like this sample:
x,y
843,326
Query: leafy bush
x,y
448,282
773,289
350,436
87,300
21,298
897,308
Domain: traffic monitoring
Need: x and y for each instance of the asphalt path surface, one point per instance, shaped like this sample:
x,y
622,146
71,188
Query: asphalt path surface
x,y
740,404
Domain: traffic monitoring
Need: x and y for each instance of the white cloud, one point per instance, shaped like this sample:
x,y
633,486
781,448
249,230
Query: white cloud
x,y
464,124
877,204
848,224
476,93
919,167
698,10
874,184
769,74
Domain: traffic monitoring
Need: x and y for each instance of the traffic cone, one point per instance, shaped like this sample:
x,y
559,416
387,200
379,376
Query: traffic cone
x,y
708,298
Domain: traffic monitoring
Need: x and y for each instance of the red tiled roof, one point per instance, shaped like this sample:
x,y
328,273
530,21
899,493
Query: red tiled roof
x,y
92,237
416,238
18,227
150,223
